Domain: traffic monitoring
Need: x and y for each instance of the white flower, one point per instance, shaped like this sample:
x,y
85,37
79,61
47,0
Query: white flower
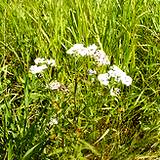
x,y
39,60
54,85
91,72
92,49
103,61
127,80
101,57
83,51
43,61
112,73
53,121
104,79
117,71
115,91
37,69
77,49
50,62
119,75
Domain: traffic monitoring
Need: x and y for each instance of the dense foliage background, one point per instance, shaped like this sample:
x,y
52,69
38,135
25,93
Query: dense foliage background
x,y
91,123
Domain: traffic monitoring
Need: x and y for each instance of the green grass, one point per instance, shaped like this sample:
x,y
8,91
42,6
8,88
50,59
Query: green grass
x,y
91,123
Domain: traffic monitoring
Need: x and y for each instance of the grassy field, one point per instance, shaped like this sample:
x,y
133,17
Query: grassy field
x,y
80,120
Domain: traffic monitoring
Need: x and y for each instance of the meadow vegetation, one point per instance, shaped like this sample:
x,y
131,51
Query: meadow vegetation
x,y
79,120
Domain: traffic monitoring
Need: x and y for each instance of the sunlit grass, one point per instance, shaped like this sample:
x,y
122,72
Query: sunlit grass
x,y
92,124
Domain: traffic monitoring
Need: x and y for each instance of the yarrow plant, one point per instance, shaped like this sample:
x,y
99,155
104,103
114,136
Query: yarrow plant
x,y
50,62
41,64
79,104
78,49
34,69
54,85
104,78
39,60
92,72
98,55
102,59
117,74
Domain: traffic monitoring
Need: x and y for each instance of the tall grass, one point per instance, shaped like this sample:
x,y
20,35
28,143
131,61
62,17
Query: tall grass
x,y
91,123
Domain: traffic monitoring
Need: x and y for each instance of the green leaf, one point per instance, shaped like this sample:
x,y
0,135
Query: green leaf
x,y
90,147
29,152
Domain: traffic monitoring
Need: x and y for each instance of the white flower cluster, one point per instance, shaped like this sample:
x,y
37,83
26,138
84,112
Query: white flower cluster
x,y
91,72
99,55
78,49
104,78
53,121
117,74
54,85
34,69
41,64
